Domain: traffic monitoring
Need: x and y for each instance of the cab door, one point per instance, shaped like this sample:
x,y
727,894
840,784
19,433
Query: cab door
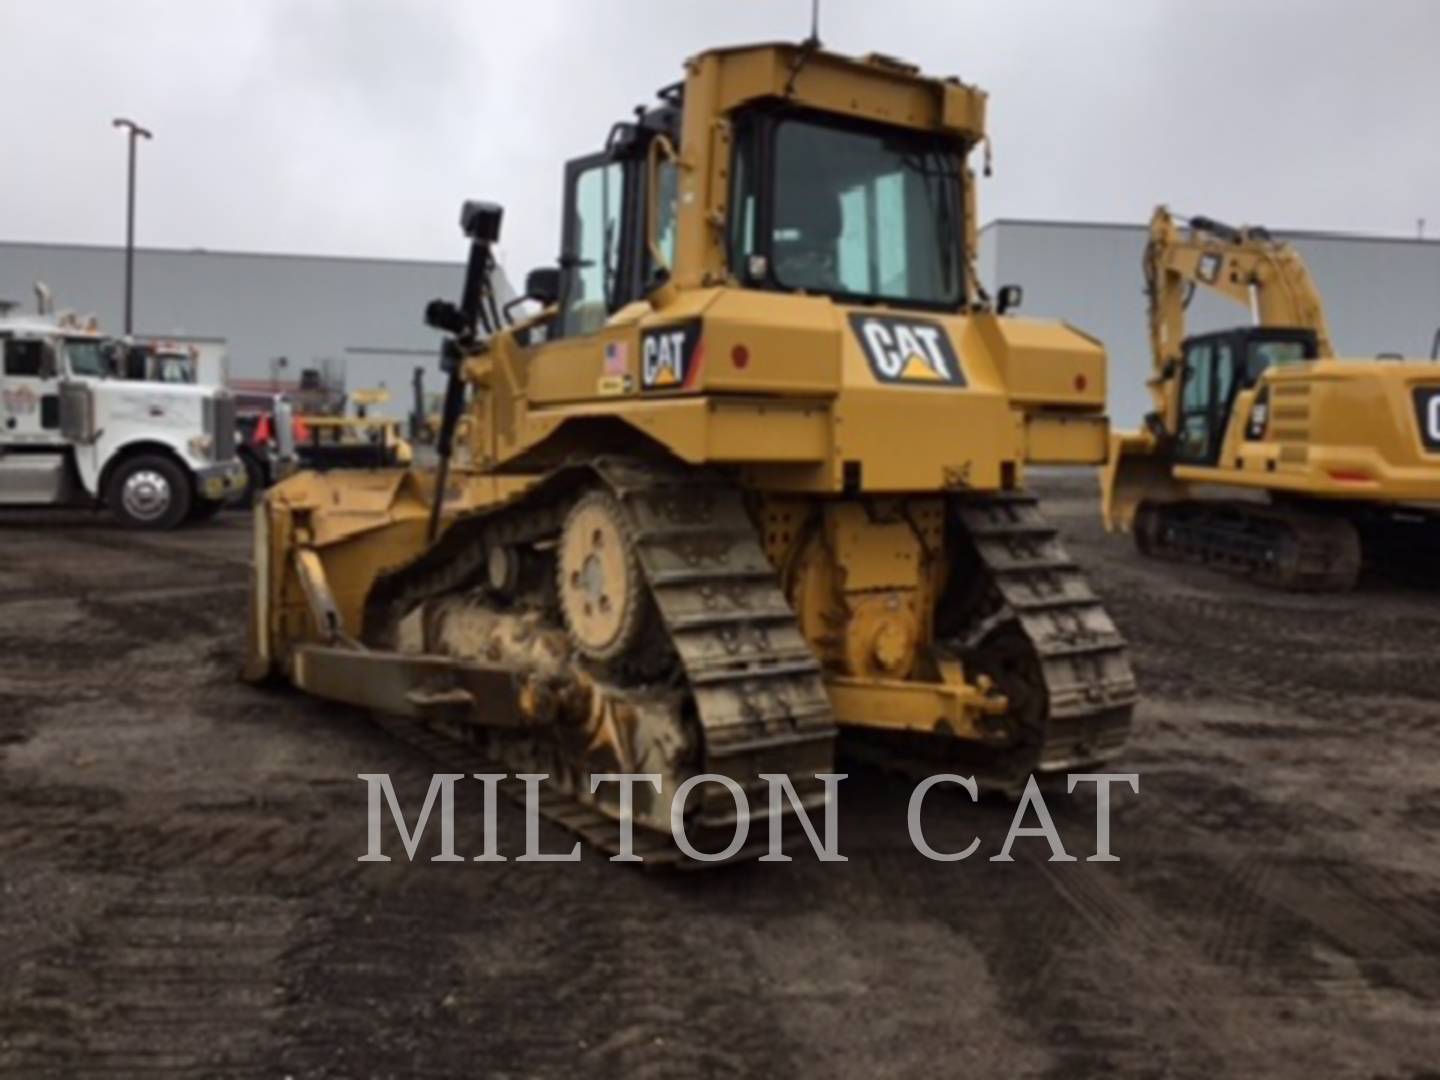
x,y
593,244
29,393
34,463
1199,435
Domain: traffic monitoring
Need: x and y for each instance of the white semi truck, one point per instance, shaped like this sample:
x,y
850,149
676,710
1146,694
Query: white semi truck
x,y
72,434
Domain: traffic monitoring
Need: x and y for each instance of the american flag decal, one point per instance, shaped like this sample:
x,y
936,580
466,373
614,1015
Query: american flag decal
x,y
617,358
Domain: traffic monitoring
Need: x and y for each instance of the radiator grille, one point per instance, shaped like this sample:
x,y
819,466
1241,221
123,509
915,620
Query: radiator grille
x,y
224,430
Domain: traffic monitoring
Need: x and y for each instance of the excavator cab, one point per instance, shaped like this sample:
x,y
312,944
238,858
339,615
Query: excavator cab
x,y
1218,368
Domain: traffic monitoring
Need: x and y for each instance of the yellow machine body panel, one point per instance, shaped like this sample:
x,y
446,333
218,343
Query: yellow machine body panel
x,y
1334,429
808,386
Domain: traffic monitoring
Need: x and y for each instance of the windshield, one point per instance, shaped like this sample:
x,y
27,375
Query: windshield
x,y
85,357
174,369
872,215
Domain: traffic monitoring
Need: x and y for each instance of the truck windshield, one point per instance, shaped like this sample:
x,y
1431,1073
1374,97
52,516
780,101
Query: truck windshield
x,y
866,214
174,368
85,357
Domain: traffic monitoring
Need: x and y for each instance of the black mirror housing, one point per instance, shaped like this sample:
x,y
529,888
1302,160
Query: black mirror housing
x,y
1008,298
480,221
443,315
543,285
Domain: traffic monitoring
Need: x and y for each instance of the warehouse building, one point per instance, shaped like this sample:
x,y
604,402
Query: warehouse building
x,y
278,314
275,314
1382,295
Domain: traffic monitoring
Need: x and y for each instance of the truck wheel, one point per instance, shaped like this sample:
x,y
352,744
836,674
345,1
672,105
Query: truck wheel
x,y
149,492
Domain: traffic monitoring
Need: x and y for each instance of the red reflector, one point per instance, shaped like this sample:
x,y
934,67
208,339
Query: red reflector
x,y
1350,477
1081,383
740,356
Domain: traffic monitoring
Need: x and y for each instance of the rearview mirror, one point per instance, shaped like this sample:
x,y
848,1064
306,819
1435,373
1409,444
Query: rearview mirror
x,y
1008,298
481,220
543,285
443,315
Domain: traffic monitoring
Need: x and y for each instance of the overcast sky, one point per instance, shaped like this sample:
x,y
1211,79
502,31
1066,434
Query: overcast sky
x,y
357,126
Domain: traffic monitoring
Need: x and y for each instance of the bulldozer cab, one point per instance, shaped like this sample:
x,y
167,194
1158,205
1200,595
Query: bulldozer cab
x,y
1218,367
818,203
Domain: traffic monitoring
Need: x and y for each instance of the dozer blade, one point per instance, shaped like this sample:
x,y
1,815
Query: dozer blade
x,y
1135,472
417,687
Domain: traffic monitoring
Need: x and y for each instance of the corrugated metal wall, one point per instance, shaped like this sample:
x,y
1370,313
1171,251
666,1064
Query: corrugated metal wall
x,y
307,309
1381,295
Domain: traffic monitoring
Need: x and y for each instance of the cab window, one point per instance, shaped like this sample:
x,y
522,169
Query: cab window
x,y
594,248
1224,373
86,357
1195,402
25,359
1264,355
667,201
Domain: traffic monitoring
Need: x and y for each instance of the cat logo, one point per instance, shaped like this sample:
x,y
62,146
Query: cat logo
x,y
1427,414
670,356
908,350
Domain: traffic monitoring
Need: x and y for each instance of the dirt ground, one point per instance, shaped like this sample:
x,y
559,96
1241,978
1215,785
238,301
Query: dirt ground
x,y
179,890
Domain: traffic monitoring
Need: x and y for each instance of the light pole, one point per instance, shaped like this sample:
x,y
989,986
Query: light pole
x,y
136,131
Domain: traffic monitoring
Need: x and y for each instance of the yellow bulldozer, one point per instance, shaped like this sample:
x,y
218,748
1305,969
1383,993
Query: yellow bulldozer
x,y
751,478
1265,455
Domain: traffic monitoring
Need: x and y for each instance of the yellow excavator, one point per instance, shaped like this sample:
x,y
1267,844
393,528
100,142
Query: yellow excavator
x,y
751,478
1265,455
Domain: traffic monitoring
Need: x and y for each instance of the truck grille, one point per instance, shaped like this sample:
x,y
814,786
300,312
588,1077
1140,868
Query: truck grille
x,y
224,430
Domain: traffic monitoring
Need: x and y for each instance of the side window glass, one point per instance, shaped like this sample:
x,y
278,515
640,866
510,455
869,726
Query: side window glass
x,y
595,230
742,204
1224,372
1266,354
1196,397
25,359
667,201
1194,441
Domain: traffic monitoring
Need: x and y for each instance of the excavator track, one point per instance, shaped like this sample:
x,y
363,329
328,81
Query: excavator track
x,y
1038,629
741,680
1279,546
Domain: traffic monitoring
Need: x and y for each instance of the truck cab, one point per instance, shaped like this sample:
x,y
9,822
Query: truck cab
x,y
73,434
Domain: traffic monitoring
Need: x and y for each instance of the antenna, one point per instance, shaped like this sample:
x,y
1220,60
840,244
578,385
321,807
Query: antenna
x,y
815,20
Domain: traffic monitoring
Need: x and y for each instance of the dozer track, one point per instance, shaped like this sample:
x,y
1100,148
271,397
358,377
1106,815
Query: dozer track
x,y
732,668
1037,628
1275,545
744,682
1019,611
